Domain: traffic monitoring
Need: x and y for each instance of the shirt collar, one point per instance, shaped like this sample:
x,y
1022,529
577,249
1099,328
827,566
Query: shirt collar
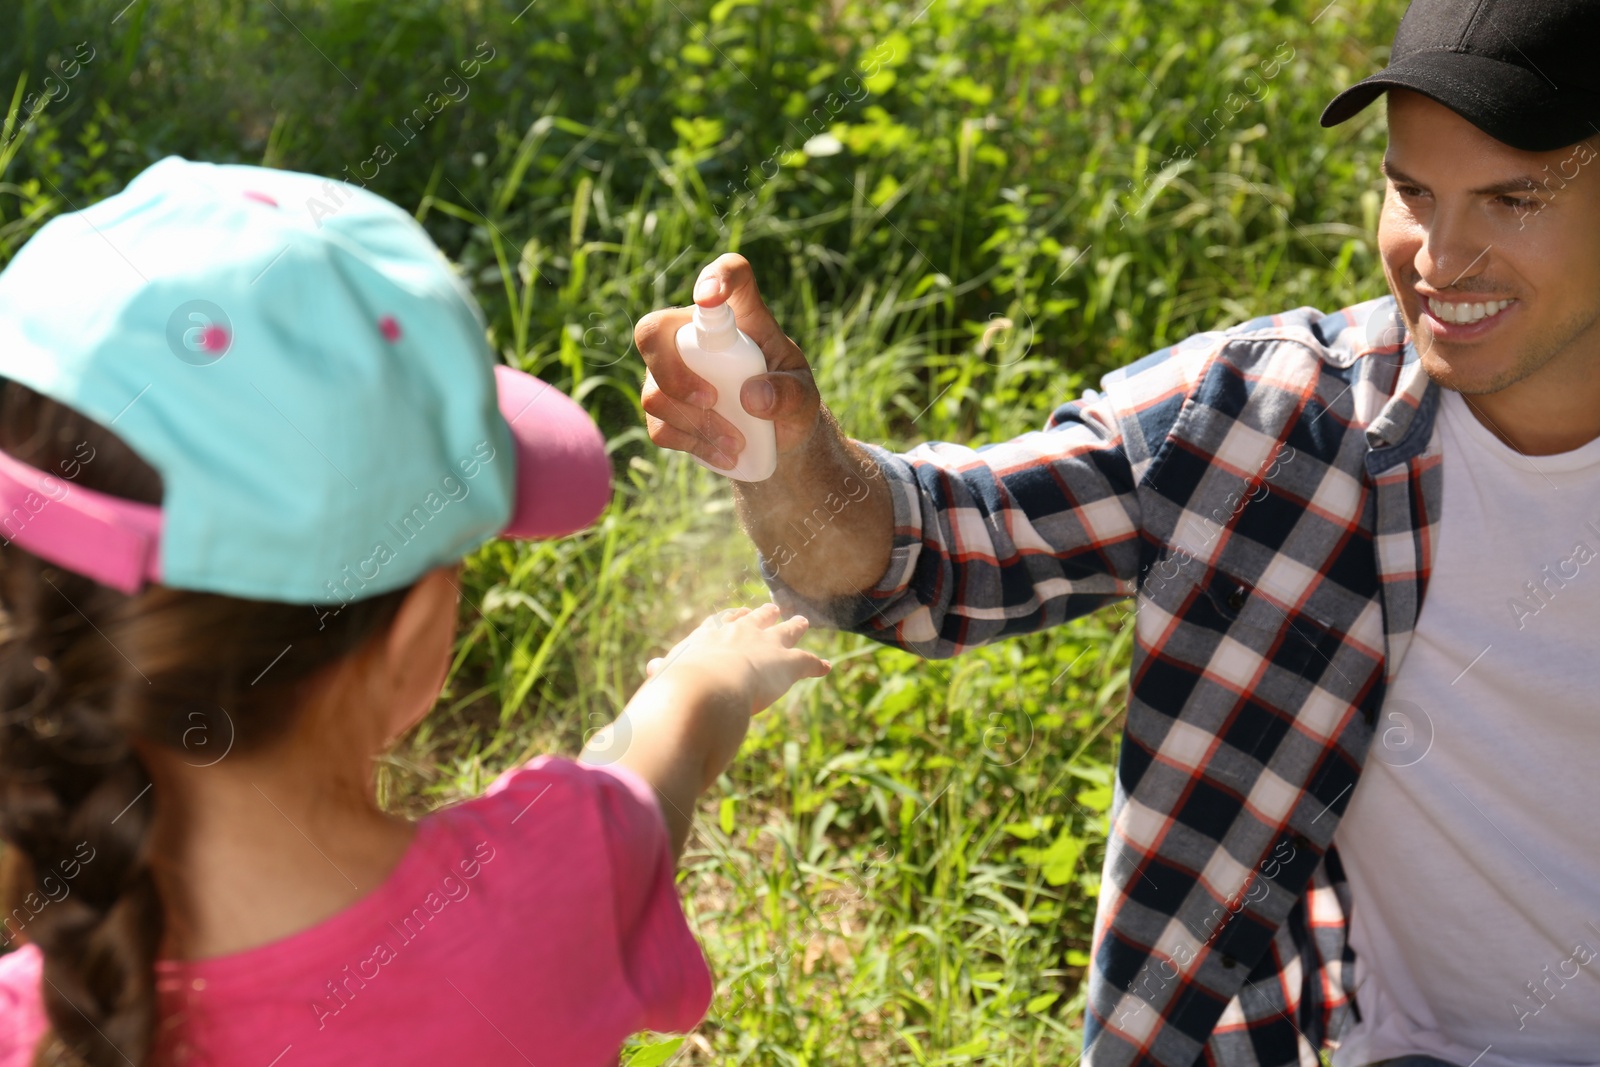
x,y
1407,416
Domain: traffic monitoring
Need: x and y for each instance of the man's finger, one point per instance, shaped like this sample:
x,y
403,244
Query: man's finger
x,y
729,278
781,395
694,443
656,337
702,423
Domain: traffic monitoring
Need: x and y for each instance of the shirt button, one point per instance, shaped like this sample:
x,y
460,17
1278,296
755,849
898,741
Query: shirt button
x,y
1300,841
1236,598
1229,962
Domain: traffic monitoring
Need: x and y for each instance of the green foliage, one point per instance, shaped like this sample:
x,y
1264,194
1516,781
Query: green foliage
x,y
965,213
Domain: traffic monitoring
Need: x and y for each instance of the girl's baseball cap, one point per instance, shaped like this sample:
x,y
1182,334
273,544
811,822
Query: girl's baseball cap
x,y
302,366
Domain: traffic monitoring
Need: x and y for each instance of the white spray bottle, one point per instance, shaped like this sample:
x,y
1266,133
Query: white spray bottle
x,y
714,348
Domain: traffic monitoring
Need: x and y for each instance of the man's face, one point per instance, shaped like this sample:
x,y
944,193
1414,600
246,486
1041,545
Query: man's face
x,y
1470,224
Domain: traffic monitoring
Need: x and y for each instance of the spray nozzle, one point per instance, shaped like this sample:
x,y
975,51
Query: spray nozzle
x,y
715,326
713,319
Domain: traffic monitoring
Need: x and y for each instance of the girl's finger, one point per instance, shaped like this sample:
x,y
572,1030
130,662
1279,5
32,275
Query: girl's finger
x,y
792,629
725,616
766,614
653,666
812,666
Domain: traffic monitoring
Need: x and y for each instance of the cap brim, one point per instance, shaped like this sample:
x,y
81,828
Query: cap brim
x,y
1513,105
563,472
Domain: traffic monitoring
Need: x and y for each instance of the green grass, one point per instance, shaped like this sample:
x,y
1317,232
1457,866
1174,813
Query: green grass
x,y
901,868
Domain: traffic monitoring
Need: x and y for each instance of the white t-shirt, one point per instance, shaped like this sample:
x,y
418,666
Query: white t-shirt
x,y
1472,839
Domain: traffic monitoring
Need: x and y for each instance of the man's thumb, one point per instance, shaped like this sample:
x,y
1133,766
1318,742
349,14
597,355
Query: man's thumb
x,y
772,395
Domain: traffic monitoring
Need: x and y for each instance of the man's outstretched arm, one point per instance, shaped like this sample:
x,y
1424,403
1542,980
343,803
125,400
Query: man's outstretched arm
x,y
934,550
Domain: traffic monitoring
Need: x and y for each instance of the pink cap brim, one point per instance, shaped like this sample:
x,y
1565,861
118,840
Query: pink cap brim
x,y
107,538
563,472
563,483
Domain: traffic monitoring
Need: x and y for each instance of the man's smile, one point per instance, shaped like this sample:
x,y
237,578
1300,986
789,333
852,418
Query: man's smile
x,y
1464,320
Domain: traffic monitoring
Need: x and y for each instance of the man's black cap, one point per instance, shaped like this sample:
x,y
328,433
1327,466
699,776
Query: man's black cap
x,y
1526,72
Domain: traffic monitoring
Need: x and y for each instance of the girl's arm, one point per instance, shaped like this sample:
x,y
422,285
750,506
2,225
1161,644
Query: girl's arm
x,y
685,724
665,735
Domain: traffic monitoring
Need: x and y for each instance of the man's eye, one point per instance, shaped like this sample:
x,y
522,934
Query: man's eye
x,y
1519,203
1407,190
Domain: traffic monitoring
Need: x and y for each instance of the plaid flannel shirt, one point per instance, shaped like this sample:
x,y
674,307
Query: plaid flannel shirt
x,y
1270,494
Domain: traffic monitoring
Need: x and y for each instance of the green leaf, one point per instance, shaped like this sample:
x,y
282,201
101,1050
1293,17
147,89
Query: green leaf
x,y
880,82
972,92
970,1048
720,10
900,696
895,49
883,191
1056,862
654,1055
698,132
725,812
1097,799
1041,1002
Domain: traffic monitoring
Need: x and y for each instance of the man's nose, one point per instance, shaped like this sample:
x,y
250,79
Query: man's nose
x,y
1452,250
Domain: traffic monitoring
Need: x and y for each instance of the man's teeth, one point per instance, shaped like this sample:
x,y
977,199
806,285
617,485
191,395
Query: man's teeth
x,y
1466,314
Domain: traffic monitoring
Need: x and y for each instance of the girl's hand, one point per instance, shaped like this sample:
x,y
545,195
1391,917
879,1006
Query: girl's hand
x,y
748,651
685,724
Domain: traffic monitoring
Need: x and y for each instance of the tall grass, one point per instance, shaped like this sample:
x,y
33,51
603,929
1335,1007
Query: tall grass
x,y
902,866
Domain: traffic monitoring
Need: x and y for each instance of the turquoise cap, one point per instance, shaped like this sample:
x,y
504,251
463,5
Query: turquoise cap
x,y
304,369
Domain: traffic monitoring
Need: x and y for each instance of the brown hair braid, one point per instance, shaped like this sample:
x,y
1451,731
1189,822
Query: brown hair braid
x,y
84,670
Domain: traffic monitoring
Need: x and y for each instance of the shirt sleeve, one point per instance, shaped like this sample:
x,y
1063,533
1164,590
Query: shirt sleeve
x,y
661,959
1011,537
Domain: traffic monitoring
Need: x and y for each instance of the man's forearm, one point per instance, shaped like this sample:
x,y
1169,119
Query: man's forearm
x,y
824,521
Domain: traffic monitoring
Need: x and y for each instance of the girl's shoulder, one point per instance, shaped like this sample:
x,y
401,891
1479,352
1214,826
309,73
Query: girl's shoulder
x,y
576,780
600,826
547,802
559,819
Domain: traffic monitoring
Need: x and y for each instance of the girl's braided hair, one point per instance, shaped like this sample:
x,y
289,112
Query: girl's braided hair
x,y
84,670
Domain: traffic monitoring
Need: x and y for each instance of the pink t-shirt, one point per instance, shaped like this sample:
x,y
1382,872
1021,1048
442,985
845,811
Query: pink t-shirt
x,y
538,923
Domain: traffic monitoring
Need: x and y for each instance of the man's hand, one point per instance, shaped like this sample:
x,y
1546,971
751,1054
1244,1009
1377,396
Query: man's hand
x,y
677,402
817,464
